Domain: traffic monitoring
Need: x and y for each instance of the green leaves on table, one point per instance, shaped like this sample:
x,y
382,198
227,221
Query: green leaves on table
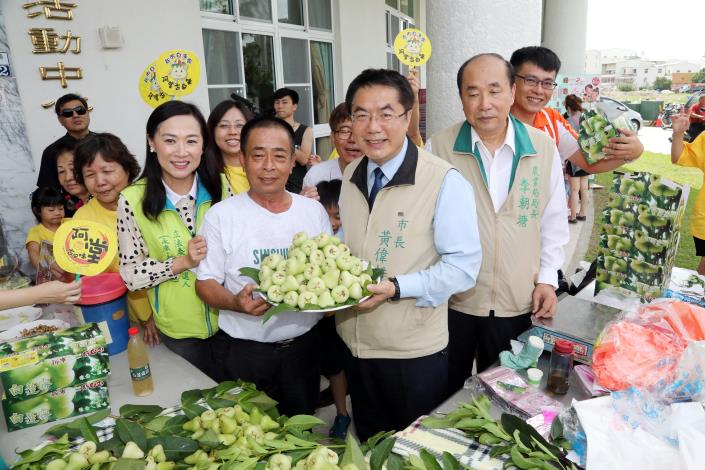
x,y
30,458
130,431
302,422
380,453
140,413
175,447
77,427
353,454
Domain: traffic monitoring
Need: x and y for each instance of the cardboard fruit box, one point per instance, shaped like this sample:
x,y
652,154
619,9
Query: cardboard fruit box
x,y
59,404
595,131
70,341
55,373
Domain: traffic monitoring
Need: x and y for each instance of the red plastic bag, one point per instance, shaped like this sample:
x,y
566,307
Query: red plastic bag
x,y
633,352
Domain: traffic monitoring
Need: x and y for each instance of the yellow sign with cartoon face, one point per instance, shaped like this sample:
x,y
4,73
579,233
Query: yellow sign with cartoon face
x,y
178,72
150,91
83,247
412,47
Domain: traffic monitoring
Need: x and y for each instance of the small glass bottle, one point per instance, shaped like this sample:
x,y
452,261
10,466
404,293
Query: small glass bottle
x,y
561,365
138,360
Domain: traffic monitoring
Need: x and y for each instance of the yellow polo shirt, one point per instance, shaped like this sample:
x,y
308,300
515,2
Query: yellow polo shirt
x,y
237,178
694,156
137,303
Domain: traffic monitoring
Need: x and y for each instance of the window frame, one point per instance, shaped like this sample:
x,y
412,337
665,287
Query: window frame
x,y
389,14
236,24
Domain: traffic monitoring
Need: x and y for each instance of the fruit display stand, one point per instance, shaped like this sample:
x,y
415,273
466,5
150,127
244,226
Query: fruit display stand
x,y
172,376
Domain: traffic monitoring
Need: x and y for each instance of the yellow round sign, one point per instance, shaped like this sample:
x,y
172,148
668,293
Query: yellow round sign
x,y
412,47
83,247
178,72
150,91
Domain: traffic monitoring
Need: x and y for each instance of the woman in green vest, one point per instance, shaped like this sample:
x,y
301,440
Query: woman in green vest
x,y
225,124
158,218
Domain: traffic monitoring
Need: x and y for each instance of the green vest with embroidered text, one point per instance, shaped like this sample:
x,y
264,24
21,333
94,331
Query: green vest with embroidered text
x,y
178,311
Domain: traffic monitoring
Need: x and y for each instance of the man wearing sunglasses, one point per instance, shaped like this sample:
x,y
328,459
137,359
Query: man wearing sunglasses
x,y
72,112
535,69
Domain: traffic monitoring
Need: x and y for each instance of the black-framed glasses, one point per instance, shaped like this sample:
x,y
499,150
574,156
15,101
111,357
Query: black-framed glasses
x,y
344,133
533,81
67,113
362,117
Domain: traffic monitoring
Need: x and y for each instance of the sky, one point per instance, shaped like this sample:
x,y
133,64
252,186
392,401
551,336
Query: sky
x,y
654,29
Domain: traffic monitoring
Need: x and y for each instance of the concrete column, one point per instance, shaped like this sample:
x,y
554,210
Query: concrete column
x,y
17,177
459,29
564,31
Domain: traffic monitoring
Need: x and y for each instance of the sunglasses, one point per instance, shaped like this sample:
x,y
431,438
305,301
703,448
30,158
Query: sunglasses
x,y
67,113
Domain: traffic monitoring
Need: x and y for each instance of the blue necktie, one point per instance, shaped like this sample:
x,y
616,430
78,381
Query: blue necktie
x,y
376,186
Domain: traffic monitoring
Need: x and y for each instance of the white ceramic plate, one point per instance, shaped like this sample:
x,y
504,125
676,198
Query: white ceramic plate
x,y
323,310
16,331
18,316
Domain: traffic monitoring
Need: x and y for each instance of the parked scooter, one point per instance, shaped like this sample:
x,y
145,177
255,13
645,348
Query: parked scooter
x,y
669,110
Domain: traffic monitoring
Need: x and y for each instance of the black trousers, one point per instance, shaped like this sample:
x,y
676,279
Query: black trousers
x,y
199,352
288,371
389,394
481,338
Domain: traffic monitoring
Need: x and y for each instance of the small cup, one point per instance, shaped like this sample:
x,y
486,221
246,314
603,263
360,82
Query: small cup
x,y
549,414
534,376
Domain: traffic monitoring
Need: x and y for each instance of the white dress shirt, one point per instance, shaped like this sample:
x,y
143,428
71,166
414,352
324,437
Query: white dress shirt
x,y
554,221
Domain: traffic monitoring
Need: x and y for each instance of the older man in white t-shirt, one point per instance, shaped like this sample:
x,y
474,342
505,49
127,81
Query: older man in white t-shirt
x,y
332,169
281,356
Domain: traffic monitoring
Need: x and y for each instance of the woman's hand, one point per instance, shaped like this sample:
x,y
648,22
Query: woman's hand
x,y
151,334
196,250
57,292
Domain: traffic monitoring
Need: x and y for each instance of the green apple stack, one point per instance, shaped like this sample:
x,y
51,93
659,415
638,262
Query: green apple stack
x,y
318,273
640,232
54,375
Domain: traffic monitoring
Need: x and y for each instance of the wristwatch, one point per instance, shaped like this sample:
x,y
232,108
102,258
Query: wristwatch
x,y
397,292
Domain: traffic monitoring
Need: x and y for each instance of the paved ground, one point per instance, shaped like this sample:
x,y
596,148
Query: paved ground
x,y
655,139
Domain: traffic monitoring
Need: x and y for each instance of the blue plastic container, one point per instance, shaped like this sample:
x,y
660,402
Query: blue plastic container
x,y
104,301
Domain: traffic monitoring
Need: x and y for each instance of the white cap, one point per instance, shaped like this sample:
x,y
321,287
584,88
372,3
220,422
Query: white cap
x,y
534,375
536,342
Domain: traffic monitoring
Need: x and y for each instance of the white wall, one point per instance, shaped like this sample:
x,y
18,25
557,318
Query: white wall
x,y
110,76
564,32
361,39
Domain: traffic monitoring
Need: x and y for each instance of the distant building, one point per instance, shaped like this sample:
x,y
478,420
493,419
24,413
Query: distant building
x,y
678,79
623,67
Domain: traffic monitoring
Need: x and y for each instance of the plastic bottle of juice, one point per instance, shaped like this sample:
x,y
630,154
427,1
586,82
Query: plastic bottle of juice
x,y
138,359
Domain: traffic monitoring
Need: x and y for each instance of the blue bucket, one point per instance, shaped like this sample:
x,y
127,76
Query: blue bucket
x,y
104,301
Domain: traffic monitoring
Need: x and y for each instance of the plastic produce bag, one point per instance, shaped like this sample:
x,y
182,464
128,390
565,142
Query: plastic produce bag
x,y
630,352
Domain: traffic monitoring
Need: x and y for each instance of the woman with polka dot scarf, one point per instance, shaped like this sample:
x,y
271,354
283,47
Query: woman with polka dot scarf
x,y
158,221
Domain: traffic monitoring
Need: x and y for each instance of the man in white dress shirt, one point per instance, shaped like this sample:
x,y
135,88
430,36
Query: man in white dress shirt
x,y
521,207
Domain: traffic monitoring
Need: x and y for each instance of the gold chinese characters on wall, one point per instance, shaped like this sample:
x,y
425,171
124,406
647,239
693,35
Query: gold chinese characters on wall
x,y
46,40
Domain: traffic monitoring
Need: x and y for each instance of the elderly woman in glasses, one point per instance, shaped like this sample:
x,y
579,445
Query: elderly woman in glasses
x,y
72,112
